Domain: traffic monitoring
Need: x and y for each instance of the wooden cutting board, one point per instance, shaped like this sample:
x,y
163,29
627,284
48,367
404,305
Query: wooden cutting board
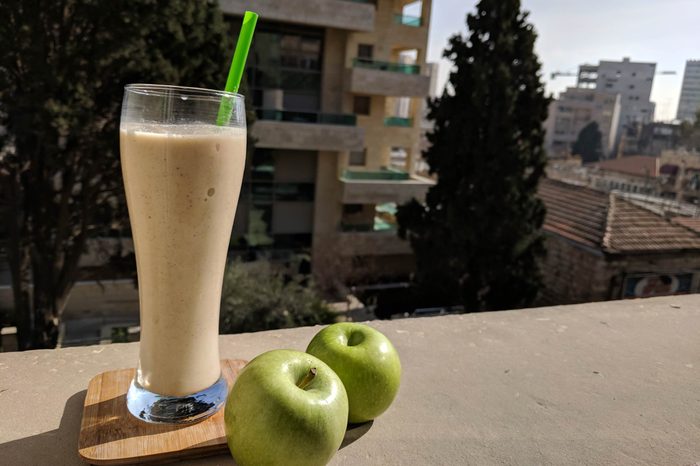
x,y
109,434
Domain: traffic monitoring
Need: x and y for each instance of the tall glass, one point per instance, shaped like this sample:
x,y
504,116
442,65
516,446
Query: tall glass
x,y
182,176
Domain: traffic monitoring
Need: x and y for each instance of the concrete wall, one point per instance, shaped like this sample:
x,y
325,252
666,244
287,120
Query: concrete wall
x,y
389,83
324,13
307,136
379,192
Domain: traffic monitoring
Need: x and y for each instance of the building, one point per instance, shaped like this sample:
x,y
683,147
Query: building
x,y
573,110
426,124
338,89
632,80
657,137
601,247
689,102
674,175
632,174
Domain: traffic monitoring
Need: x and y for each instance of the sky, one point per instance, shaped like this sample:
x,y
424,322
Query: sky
x,y
572,32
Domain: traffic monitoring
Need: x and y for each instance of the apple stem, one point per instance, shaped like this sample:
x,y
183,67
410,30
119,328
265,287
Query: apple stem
x,y
307,379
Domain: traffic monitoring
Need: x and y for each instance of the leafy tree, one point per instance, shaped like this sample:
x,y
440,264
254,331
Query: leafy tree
x,y
63,66
477,238
690,133
258,296
589,143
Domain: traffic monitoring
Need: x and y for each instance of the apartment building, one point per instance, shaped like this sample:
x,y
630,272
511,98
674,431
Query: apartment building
x,y
337,86
573,110
689,103
632,80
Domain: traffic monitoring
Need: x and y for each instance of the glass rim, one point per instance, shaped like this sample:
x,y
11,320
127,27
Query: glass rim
x,y
165,90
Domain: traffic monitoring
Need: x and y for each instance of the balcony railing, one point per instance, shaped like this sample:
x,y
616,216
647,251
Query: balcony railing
x,y
388,174
405,20
398,121
306,117
386,66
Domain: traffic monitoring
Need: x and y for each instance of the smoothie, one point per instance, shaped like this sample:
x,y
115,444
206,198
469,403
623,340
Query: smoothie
x,y
182,184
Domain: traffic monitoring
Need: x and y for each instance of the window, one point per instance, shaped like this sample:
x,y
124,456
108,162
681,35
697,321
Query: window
x,y
631,86
358,157
365,51
350,209
294,192
361,104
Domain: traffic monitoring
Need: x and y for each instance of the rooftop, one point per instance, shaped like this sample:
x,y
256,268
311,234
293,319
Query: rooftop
x,y
610,223
604,383
635,165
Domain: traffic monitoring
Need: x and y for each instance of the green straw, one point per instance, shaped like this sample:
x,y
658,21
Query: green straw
x,y
245,37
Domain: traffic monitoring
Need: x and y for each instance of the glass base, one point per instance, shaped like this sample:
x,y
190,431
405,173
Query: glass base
x,y
163,409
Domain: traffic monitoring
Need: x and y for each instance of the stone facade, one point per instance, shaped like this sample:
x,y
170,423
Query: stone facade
x,y
574,273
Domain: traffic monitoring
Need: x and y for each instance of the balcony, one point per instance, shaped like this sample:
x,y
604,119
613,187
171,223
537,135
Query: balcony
x,y
600,383
306,117
398,121
405,20
280,129
338,14
387,78
381,186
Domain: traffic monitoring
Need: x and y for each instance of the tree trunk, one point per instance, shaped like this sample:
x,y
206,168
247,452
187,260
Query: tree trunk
x,y
19,261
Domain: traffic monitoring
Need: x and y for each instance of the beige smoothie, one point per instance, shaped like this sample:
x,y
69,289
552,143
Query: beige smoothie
x,y
182,185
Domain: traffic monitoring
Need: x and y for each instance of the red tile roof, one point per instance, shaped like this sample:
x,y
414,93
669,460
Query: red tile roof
x,y
689,222
610,223
636,165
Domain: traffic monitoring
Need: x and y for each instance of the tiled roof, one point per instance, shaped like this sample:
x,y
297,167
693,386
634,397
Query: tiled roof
x,y
689,222
637,165
574,212
610,223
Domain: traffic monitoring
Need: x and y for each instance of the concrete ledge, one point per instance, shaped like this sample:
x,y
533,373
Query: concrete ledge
x,y
307,136
603,383
390,83
352,16
381,191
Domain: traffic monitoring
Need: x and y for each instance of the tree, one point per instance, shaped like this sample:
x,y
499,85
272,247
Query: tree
x,y
63,67
589,143
690,133
258,296
477,238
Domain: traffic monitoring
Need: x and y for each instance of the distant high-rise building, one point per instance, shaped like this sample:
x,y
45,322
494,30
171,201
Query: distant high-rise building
x,y
632,80
689,103
576,108
338,88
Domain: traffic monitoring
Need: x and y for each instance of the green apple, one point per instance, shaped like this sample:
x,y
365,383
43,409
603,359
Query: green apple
x,y
366,362
286,407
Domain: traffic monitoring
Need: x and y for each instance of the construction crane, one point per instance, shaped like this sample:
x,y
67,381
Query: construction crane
x,y
573,74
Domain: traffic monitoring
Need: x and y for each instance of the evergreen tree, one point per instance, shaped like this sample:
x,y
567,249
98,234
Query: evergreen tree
x,y
589,143
63,67
477,239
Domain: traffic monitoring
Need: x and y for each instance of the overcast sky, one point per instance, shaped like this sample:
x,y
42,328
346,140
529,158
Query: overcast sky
x,y
571,32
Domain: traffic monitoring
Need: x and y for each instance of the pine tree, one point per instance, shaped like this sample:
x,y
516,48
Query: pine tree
x,y
477,239
589,144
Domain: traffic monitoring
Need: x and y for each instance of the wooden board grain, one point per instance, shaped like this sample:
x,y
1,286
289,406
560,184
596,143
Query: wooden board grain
x,y
109,434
